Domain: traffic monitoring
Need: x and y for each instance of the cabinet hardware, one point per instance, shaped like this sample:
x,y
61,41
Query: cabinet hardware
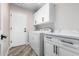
x,y
11,14
10,41
24,29
35,22
66,42
49,37
10,28
54,48
42,19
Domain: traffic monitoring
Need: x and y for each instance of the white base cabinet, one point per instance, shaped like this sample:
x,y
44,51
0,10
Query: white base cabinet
x,y
49,48
59,46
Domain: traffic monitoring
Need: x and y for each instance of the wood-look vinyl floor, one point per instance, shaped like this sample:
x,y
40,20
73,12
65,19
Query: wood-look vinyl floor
x,y
22,50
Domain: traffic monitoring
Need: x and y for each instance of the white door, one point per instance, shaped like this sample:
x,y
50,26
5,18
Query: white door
x,y
18,34
4,28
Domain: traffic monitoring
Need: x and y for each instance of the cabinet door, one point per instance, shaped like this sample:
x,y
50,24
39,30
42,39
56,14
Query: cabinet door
x,y
48,49
37,17
44,13
34,20
65,52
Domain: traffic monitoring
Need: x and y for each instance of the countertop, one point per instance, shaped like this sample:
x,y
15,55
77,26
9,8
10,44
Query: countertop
x,y
68,35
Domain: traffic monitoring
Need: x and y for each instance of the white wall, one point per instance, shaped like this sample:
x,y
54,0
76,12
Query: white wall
x,y
67,17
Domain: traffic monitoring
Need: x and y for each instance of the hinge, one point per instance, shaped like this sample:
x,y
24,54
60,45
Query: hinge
x,y
10,14
10,41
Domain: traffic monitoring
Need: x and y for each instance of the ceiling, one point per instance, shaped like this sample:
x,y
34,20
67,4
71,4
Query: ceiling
x,y
30,6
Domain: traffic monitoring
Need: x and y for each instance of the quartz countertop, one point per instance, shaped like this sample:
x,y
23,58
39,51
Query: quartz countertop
x,y
69,35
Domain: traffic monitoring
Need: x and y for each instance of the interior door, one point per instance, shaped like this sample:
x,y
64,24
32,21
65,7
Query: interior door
x,y
18,34
4,28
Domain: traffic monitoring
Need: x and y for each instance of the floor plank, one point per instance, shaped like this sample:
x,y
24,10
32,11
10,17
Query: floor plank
x,y
22,50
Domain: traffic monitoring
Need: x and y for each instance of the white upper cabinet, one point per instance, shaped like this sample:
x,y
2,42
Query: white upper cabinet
x,y
45,14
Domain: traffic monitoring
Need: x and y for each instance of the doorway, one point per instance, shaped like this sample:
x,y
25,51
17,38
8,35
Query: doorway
x,y
18,29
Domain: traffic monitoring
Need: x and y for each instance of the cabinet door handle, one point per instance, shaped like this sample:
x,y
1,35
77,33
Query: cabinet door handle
x,y
42,19
54,48
24,29
49,37
66,42
35,21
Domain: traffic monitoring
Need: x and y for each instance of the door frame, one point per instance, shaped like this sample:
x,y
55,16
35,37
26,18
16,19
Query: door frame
x,y
4,16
